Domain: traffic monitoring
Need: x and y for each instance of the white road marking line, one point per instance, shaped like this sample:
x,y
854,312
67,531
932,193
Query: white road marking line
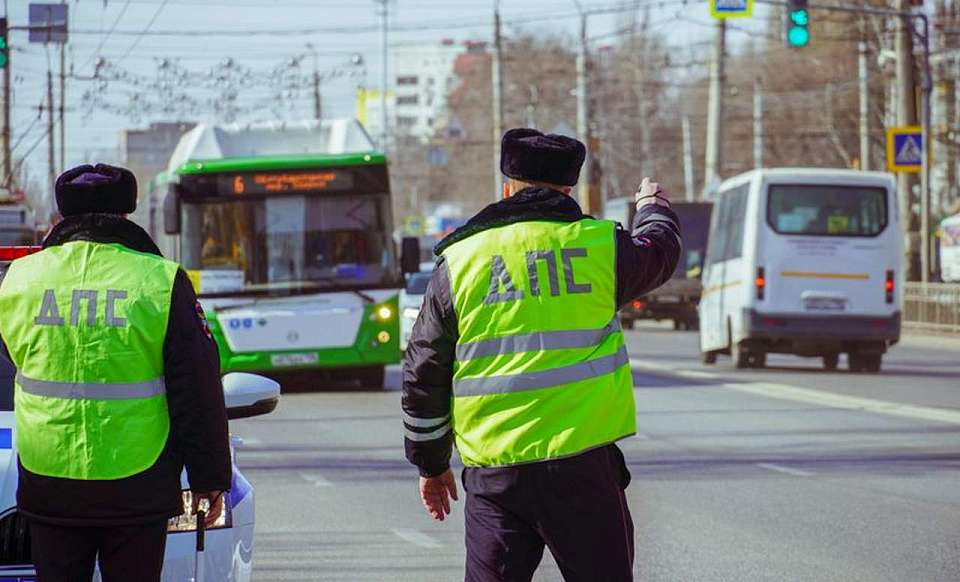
x,y
785,470
823,398
819,397
417,538
317,479
246,442
695,374
648,365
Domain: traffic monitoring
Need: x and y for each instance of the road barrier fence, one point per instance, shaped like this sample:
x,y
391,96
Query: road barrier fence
x,y
932,307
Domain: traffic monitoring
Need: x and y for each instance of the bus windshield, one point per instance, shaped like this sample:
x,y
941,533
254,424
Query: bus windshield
x,y
290,242
825,210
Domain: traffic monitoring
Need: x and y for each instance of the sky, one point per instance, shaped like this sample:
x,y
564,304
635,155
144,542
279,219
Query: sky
x,y
261,35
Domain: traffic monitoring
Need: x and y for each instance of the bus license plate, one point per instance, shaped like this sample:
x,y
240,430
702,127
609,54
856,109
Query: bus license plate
x,y
281,360
825,304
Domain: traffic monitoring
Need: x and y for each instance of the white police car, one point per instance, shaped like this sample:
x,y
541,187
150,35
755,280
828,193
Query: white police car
x,y
228,552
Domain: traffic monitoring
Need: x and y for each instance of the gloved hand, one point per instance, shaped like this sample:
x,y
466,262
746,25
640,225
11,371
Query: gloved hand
x,y
650,192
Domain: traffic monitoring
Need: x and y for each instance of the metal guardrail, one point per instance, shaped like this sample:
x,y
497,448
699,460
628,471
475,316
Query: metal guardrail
x,y
932,307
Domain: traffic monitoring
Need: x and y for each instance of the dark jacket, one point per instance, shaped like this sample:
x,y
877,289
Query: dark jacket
x,y
646,258
198,420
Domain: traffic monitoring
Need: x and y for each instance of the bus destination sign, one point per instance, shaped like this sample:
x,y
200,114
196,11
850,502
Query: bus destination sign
x,y
289,182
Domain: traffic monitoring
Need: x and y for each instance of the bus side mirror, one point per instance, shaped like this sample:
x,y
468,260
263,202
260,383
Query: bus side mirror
x,y
410,255
171,211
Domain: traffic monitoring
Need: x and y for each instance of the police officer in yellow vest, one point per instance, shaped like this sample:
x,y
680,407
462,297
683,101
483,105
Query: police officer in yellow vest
x,y
518,358
117,388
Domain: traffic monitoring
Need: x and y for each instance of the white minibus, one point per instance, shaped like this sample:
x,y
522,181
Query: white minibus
x,y
805,262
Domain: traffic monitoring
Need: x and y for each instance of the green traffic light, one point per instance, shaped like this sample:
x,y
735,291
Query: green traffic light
x,y
800,17
3,42
3,61
798,36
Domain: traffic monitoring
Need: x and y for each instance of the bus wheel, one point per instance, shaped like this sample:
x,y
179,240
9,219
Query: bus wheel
x,y
757,360
831,361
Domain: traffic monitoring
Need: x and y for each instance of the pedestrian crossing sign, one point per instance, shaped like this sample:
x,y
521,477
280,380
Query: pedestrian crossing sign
x,y
905,149
731,8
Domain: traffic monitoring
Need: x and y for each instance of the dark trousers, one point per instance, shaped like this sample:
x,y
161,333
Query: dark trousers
x,y
125,553
574,506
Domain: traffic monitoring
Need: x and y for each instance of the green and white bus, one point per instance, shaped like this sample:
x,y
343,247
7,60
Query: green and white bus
x,y
286,233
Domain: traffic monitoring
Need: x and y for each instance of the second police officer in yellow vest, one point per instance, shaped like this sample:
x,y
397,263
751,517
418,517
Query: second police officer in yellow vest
x,y
518,359
117,388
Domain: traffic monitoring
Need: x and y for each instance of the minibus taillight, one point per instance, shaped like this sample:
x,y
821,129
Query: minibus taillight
x,y
889,286
761,282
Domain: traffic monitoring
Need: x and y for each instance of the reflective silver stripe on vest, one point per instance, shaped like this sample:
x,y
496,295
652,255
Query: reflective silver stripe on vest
x,y
81,391
544,379
419,437
424,422
535,342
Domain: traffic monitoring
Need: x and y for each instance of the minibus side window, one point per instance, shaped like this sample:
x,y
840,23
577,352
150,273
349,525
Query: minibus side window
x,y
737,222
726,236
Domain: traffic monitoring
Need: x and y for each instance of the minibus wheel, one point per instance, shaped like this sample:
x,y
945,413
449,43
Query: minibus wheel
x,y
869,363
708,357
831,361
757,360
741,357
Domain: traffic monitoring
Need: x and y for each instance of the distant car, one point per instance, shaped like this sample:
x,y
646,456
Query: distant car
x,y
229,543
411,300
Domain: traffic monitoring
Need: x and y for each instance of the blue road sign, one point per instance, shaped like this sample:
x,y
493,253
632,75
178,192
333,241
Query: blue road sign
x,y
905,149
731,8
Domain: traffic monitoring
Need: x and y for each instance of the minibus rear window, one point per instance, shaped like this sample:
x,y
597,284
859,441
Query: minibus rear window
x,y
822,210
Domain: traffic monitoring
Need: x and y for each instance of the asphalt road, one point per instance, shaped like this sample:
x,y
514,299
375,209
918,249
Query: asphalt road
x,y
786,474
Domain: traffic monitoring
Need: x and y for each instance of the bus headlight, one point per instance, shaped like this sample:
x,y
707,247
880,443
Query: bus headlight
x,y
187,521
383,313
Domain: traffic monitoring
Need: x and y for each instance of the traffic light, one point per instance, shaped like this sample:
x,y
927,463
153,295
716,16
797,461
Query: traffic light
x,y
798,23
4,45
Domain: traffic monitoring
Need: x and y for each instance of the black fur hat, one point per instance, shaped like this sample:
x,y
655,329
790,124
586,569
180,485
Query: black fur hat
x,y
102,189
527,154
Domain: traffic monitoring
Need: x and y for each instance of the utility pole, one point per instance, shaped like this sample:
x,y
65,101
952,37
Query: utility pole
x,y
317,110
7,155
384,38
497,72
63,99
713,159
639,80
864,81
317,100
907,115
51,167
583,119
688,159
757,123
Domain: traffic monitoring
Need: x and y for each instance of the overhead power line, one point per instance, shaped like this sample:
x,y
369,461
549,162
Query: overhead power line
x,y
146,30
106,36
